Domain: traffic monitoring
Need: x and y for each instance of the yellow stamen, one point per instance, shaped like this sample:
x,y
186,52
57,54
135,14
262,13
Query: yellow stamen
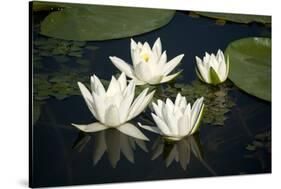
x,y
145,56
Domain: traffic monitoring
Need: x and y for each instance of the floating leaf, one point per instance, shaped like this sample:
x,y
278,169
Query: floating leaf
x,y
216,99
250,147
42,6
239,18
94,22
59,49
250,66
260,145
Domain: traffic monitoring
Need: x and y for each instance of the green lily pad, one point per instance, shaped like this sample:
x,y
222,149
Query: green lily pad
x,y
42,6
239,18
250,66
93,22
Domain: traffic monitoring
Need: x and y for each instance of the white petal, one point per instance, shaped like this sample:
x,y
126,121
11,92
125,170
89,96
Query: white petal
x,y
163,59
203,69
137,103
140,107
157,47
112,117
146,47
157,110
183,103
131,130
187,114
97,86
169,104
122,81
227,68
143,72
196,110
129,89
160,104
133,51
199,117
206,58
183,126
99,106
155,80
170,77
150,128
170,120
139,82
161,124
178,99
123,66
113,87
220,56
125,107
170,66
87,97
93,127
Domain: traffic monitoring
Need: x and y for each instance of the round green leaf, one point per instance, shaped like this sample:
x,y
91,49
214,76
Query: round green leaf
x,y
92,22
250,66
239,18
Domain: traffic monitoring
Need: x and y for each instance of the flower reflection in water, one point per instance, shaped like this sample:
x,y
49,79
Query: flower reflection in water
x,y
111,141
180,151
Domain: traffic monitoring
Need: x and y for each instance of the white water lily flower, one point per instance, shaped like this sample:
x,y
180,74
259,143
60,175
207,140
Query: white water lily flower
x,y
114,107
150,66
180,151
176,120
213,69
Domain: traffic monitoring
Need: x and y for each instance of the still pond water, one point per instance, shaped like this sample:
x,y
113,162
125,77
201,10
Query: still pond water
x,y
242,145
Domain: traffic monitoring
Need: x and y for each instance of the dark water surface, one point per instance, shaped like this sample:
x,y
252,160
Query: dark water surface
x,y
224,149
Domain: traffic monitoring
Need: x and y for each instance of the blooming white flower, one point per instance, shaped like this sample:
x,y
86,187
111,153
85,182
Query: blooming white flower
x,y
213,69
114,107
150,66
180,151
178,120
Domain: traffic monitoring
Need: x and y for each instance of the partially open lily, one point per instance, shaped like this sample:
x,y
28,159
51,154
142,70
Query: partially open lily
x,y
176,120
114,107
213,69
150,66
